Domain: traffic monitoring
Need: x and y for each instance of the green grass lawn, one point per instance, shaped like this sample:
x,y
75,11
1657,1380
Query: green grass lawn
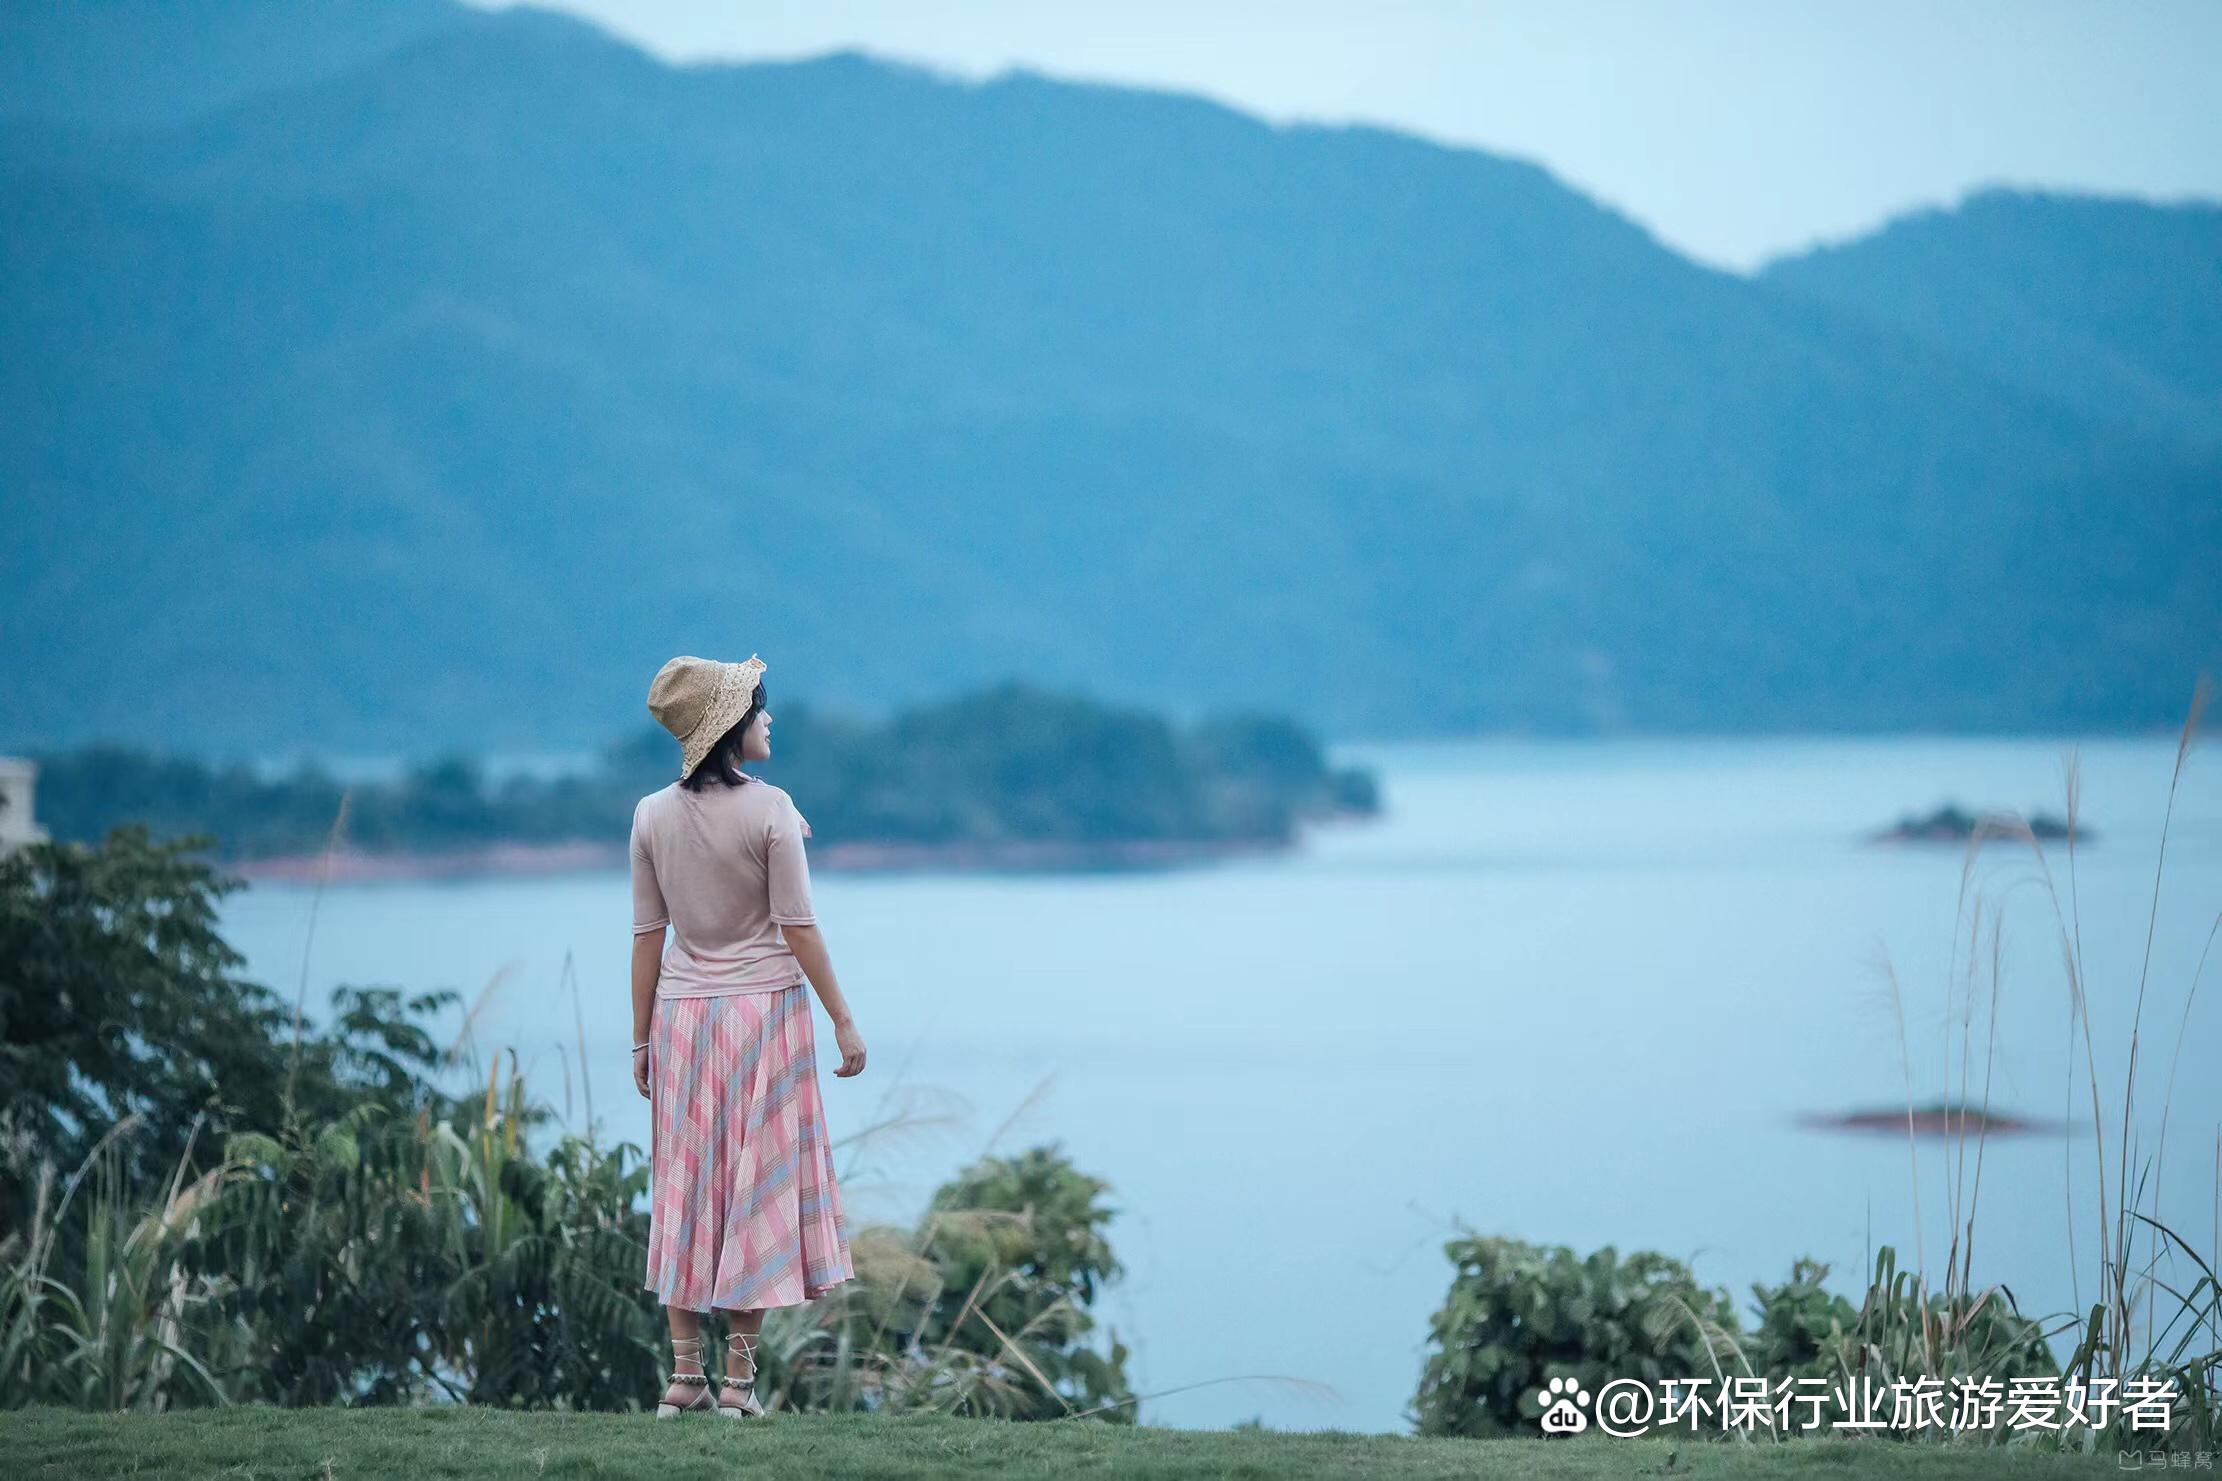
x,y
423,1445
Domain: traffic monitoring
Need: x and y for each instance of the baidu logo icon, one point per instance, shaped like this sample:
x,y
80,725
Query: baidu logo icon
x,y
1563,1401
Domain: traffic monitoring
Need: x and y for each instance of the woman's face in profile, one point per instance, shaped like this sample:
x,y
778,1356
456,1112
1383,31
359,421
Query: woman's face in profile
x,y
756,741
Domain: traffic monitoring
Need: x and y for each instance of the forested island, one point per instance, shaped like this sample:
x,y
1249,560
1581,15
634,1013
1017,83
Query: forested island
x,y
1011,777
1952,823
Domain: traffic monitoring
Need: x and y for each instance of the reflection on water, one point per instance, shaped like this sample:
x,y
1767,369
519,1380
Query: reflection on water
x,y
1575,992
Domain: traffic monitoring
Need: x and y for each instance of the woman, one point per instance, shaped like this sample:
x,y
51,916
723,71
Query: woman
x,y
744,1212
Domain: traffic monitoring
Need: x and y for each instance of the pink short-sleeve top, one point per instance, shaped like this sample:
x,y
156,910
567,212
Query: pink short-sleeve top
x,y
724,869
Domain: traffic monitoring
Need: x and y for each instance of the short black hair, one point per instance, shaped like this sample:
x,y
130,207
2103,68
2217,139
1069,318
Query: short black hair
x,y
721,766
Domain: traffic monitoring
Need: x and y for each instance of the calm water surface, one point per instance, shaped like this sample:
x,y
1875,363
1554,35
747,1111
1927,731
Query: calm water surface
x,y
1573,992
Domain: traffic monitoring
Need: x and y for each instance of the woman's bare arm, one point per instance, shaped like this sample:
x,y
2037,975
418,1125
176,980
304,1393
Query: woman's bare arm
x,y
648,950
808,943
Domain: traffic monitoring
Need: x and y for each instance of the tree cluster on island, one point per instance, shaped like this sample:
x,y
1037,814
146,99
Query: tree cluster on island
x,y
1012,765
1952,823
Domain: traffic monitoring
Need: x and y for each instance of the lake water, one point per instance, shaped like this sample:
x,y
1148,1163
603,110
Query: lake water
x,y
1573,992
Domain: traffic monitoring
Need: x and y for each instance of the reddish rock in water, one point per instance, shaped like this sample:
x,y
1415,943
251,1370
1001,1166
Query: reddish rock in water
x,y
1939,1119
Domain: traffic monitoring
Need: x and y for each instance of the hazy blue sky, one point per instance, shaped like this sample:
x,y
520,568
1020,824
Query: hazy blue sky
x,y
1734,129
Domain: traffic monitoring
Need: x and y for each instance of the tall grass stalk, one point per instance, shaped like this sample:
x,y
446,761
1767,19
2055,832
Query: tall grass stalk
x,y
308,936
114,1337
2109,1343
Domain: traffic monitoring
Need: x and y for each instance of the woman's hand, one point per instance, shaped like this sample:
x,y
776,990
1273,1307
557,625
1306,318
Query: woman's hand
x,y
852,1047
640,1071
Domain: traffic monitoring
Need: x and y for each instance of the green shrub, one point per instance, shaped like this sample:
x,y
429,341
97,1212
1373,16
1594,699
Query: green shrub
x,y
982,1309
1517,1315
1021,1240
1904,1329
1804,1331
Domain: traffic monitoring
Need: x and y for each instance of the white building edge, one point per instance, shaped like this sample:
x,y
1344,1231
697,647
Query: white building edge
x,y
18,821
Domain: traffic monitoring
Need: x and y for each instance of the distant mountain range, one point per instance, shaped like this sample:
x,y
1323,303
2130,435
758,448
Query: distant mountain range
x,y
409,376
2112,307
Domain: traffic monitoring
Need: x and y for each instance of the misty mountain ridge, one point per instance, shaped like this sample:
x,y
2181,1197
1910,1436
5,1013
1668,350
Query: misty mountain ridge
x,y
436,397
2112,306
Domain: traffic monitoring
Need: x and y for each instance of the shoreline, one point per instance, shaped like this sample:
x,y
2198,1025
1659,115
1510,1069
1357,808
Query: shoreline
x,y
523,860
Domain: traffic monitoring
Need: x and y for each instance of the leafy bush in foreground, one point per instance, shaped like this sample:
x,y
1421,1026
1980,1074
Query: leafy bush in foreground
x,y
1518,1315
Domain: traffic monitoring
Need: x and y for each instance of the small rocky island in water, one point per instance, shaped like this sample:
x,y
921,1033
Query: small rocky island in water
x,y
1008,779
1952,823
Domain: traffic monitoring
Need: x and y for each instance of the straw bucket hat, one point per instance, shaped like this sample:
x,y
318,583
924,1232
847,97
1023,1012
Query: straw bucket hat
x,y
698,699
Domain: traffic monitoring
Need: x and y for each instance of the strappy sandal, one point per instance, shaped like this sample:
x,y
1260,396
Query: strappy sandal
x,y
739,1348
699,1382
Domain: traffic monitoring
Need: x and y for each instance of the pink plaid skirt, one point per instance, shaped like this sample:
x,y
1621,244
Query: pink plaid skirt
x,y
744,1212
